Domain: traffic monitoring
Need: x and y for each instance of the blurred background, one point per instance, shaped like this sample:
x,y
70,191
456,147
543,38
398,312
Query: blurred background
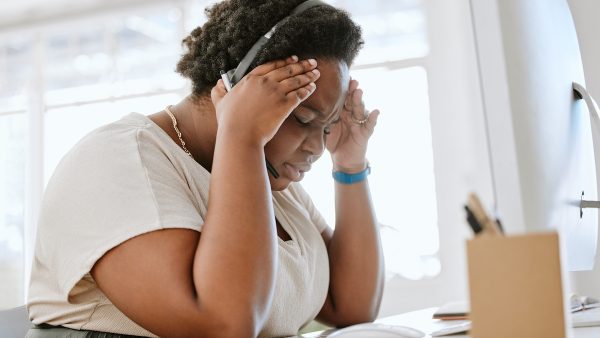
x,y
68,67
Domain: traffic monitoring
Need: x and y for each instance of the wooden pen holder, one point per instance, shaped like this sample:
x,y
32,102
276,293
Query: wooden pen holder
x,y
516,287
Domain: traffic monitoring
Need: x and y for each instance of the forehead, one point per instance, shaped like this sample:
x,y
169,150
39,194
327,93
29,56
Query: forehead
x,y
332,87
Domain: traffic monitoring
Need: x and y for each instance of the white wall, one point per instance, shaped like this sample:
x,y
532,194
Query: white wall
x,y
460,154
586,14
462,162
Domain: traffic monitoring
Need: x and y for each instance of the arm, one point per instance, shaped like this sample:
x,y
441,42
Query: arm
x,y
176,283
354,248
355,259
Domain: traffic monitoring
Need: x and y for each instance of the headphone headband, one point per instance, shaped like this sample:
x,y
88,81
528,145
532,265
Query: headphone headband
x,y
235,75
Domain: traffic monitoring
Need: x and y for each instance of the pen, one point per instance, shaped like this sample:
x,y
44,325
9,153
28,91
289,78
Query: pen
x,y
500,227
475,226
228,87
488,225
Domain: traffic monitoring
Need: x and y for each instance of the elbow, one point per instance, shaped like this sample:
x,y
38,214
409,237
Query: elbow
x,y
367,317
357,315
242,325
355,318
239,330
231,324
224,329
347,317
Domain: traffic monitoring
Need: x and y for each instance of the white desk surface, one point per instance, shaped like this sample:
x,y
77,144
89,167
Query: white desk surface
x,y
423,321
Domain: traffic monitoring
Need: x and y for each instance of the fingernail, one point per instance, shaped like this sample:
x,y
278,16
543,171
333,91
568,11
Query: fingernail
x,y
295,58
312,62
316,71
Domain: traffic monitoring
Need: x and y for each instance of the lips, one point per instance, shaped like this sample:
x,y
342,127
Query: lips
x,y
296,171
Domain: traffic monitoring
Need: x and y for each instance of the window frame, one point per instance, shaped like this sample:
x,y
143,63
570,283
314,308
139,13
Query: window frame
x,y
446,25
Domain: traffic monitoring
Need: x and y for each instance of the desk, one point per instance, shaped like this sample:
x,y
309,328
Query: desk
x,y
423,321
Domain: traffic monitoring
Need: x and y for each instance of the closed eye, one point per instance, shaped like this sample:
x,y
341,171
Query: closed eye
x,y
326,130
301,122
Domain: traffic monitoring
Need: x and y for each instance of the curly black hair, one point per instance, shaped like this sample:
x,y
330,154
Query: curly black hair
x,y
233,26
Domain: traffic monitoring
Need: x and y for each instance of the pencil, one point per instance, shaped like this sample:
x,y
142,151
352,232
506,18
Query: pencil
x,y
488,224
472,221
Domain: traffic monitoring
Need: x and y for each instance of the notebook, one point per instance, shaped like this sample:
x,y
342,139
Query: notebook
x,y
589,317
585,311
458,310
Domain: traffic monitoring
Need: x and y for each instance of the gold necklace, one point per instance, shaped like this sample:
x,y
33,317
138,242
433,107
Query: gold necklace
x,y
168,110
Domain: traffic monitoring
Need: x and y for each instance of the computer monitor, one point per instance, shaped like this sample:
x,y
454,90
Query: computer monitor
x,y
540,134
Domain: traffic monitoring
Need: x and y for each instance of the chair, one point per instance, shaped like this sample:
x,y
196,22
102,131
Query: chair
x,y
14,323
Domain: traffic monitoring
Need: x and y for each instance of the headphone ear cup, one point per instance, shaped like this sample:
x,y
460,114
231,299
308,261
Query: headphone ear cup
x,y
235,75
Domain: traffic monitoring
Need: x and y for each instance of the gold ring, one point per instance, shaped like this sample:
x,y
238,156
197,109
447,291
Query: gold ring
x,y
363,121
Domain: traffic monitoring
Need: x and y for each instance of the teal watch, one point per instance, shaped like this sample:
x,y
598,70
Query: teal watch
x,y
345,178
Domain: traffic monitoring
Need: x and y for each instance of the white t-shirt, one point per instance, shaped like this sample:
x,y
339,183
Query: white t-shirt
x,y
129,178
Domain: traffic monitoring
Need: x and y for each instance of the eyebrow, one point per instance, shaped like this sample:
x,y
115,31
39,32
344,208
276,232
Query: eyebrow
x,y
318,112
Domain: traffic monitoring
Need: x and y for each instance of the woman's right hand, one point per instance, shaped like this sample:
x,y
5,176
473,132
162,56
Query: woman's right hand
x,y
257,106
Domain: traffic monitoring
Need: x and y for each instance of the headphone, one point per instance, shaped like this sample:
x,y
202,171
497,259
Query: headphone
x,y
235,75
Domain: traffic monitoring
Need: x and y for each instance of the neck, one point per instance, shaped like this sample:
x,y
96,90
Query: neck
x,y
196,120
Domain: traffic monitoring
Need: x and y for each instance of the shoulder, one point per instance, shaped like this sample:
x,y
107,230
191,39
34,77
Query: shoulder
x,y
128,130
117,147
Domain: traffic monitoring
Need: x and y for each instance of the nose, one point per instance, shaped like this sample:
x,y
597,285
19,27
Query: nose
x,y
314,143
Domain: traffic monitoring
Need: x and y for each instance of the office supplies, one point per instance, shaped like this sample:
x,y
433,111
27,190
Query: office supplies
x,y
461,327
458,310
376,330
516,280
455,316
585,312
580,303
586,318
500,226
422,320
472,221
487,224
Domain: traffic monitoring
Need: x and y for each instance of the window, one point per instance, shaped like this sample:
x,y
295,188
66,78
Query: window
x,y
100,71
12,198
85,77
14,60
96,76
392,72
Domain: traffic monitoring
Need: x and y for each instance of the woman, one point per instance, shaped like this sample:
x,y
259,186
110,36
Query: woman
x,y
171,224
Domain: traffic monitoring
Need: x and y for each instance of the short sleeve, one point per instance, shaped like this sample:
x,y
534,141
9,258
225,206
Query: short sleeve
x,y
304,199
117,183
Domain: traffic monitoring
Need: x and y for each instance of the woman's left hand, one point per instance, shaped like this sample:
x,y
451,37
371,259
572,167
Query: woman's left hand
x,y
348,138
